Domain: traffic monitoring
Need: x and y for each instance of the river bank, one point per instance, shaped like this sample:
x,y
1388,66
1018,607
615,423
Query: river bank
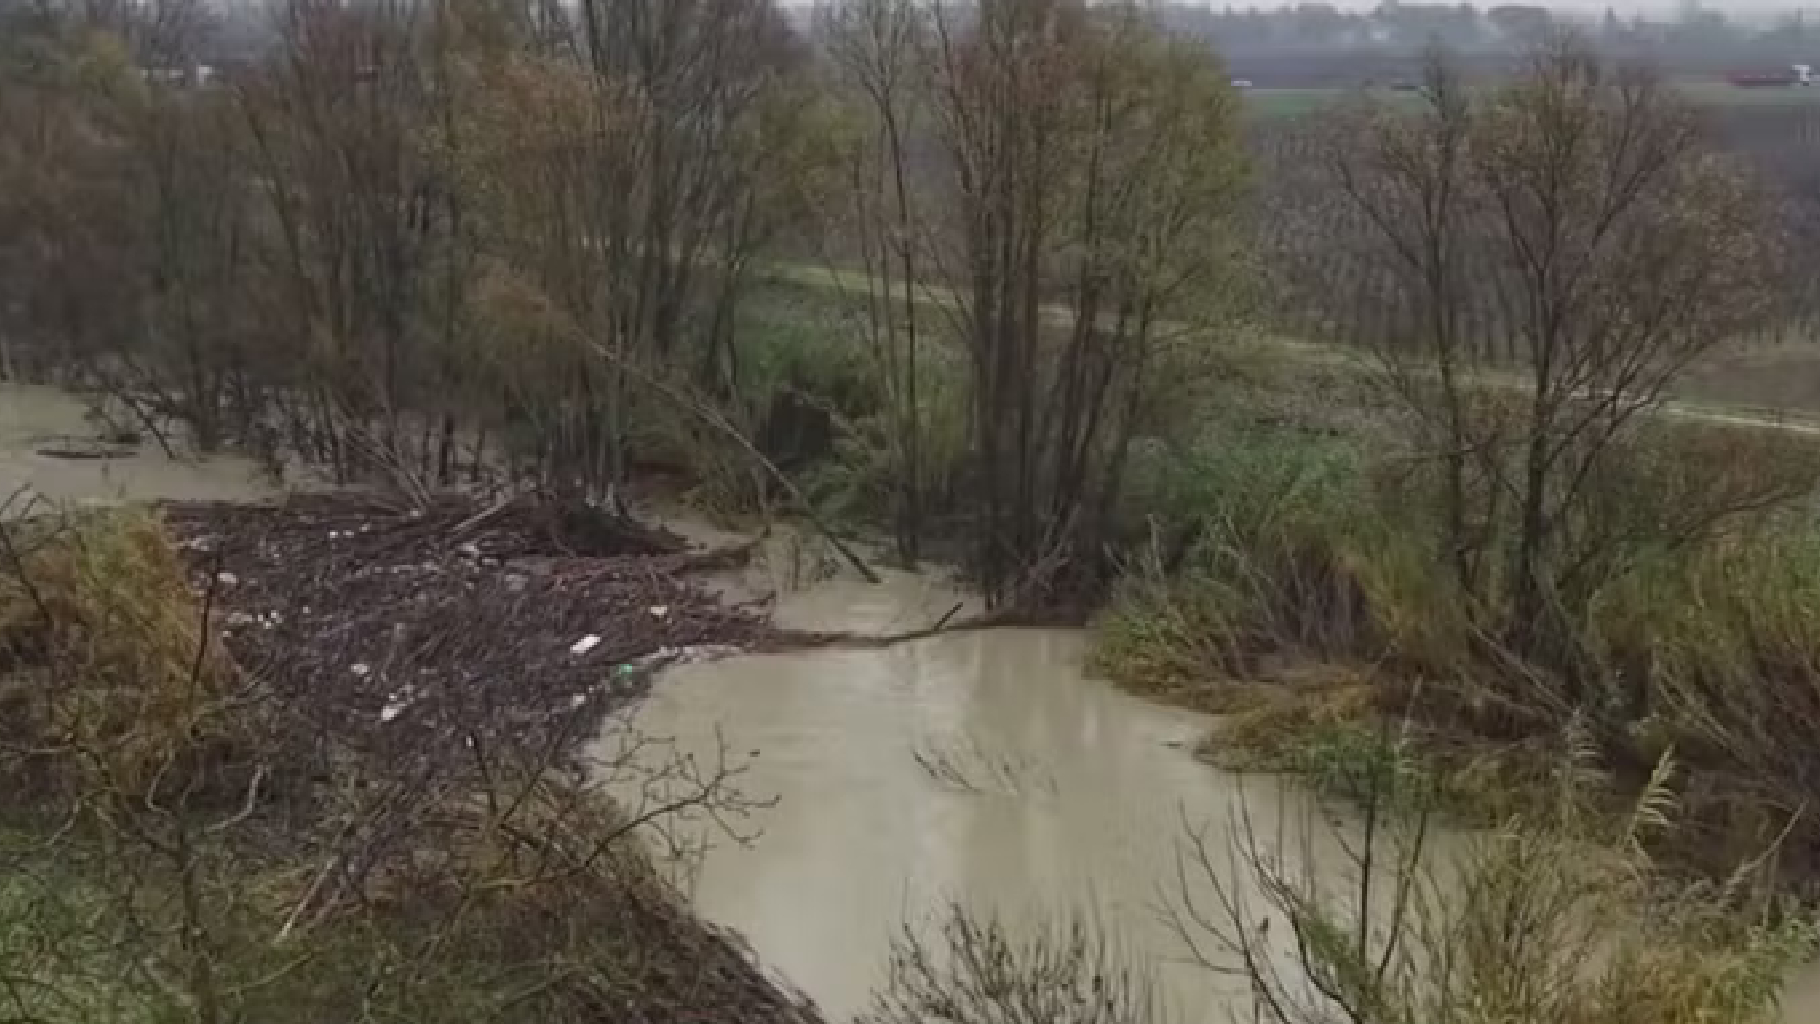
x,y
989,771
317,757
984,769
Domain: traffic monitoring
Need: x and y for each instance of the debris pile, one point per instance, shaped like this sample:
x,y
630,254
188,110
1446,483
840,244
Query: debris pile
x,y
404,631
421,656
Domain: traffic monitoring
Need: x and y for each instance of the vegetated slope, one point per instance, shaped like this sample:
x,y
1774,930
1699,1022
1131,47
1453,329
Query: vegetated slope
x,y
332,758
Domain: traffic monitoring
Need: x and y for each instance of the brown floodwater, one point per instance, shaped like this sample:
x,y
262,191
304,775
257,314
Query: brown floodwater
x,y
984,769
34,419
978,768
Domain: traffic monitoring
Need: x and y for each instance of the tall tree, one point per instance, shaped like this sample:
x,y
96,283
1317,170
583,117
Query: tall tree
x,y
1096,169
1584,204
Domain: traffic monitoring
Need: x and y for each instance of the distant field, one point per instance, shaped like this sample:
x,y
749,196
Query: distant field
x,y
1292,102
1289,102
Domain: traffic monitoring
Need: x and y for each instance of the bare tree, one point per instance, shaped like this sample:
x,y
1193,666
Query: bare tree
x,y
649,143
878,45
1583,203
984,971
338,126
1090,171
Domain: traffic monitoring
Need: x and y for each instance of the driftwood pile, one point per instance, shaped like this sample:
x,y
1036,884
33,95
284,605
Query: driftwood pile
x,y
400,631
424,649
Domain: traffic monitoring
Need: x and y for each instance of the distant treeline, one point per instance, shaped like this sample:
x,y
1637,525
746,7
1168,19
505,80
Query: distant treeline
x,y
1317,45
1303,45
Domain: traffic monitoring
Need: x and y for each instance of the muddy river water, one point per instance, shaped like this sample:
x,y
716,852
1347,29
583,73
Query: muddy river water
x,y
984,769
976,768
35,421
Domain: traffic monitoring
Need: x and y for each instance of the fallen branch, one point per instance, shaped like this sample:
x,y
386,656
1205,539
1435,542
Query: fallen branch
x,y
1003,618
714,419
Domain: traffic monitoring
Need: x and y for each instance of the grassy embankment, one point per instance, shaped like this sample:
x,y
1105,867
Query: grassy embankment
x,y
1317,610
1310,605
1296,577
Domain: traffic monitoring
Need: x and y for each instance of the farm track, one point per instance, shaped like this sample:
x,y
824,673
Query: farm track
x,y
1323,355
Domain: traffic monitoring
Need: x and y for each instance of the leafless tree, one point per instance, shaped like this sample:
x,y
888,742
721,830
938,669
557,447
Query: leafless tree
x,y
976,970
1584,204
879,46
1087,169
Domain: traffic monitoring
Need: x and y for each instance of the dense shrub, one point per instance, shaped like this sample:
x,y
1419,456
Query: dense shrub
x,y
1315,571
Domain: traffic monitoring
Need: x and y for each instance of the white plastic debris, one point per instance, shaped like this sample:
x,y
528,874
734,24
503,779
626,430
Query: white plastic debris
x,y
361,669
584,645
659,610
396,704
577,701
227,579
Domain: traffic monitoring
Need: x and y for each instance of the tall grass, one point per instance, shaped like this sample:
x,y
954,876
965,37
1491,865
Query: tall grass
x,y
1556,917
1278,556
1315,572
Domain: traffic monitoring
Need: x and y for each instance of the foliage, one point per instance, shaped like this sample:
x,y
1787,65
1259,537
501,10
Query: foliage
x,y
105,600
1077,218
1557,916
1285,553
1313,602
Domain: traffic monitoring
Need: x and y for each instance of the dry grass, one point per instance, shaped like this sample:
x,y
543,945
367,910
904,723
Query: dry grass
x,y
102,653
1694,633
1554,917
180,845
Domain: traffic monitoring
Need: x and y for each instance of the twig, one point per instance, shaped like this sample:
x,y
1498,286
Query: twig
x,y
720,424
